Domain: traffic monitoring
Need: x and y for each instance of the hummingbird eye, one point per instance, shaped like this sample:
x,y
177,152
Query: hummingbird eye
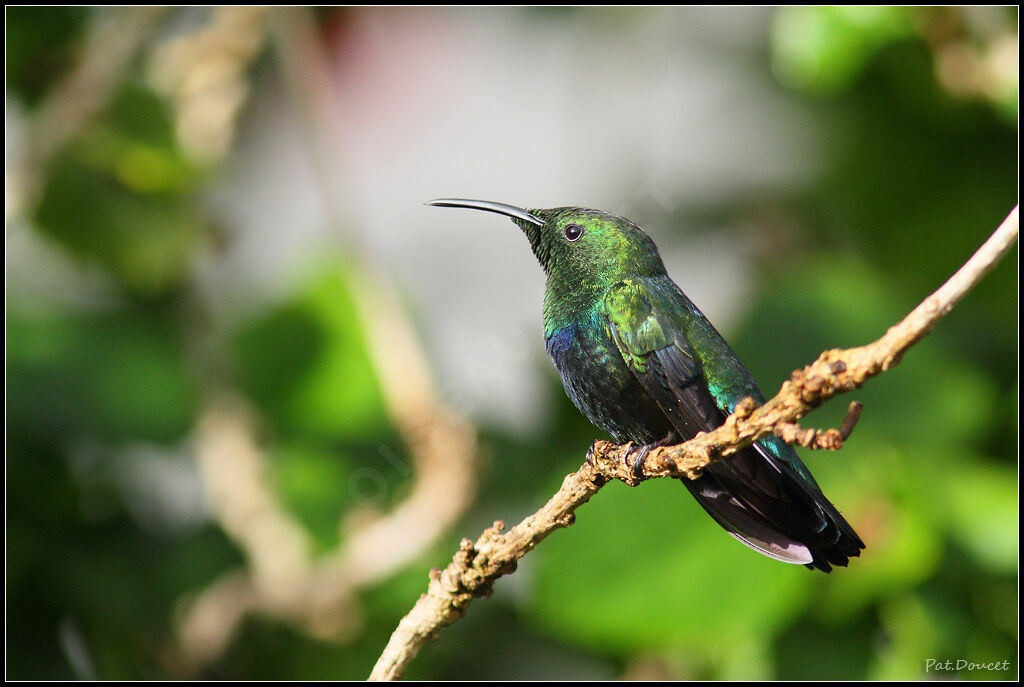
x,y
573,232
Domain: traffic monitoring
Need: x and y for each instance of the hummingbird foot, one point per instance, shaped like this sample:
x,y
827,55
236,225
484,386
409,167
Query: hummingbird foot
x,y
642,451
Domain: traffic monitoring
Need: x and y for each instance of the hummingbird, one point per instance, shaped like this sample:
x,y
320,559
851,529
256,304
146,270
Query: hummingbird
x,y
645,365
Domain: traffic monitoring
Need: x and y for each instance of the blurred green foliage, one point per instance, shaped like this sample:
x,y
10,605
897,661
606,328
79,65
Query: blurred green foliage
x,y
40,42
293,360
126,180
916,178
826,48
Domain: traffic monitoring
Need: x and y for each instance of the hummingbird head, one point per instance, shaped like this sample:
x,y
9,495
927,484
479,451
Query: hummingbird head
x,y
584,249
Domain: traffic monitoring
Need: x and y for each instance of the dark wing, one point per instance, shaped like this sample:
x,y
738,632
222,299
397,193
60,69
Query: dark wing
x,y
755,495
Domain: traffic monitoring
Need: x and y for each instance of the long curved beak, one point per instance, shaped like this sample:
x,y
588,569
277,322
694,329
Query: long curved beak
x,y
489,206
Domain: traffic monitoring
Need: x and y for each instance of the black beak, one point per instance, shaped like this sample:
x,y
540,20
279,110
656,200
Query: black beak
x,y
489,206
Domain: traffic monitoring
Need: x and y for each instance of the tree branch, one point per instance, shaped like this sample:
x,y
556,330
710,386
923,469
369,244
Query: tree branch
x,y
476,566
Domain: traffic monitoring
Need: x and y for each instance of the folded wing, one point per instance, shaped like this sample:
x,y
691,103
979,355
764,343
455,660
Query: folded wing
x,y
755,494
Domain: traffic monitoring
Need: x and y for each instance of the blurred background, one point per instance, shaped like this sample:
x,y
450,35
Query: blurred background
x,y
256,389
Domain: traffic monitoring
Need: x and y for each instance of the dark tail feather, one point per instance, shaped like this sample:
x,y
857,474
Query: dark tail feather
x,y
771,509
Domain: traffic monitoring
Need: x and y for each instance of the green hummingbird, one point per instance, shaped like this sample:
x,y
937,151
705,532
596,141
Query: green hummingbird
x,y
642,363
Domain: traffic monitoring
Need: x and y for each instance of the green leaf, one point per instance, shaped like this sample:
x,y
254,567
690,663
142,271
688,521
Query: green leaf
x,y
825,48
119,196
145,241
313,484
306,364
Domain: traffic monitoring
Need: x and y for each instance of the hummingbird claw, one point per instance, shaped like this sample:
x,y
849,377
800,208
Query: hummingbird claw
x,y
642,451
638,462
